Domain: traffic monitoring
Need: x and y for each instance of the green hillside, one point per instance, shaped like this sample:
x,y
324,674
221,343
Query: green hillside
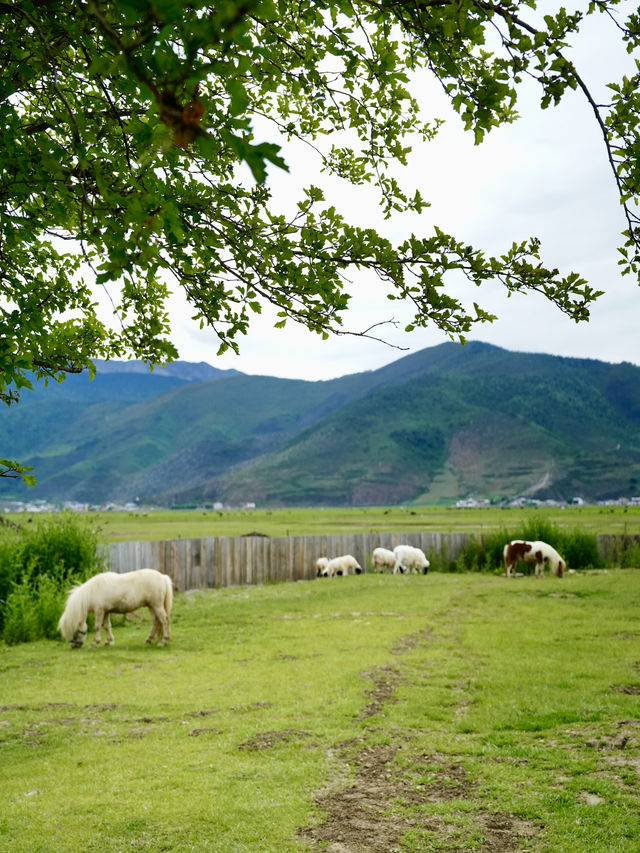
x,y
490,435
443,423
119,448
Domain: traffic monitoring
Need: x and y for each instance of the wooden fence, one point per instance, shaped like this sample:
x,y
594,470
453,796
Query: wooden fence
x,y
233,561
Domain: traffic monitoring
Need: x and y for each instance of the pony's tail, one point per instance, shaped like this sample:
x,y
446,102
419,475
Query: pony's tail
x,y
74,613
168,594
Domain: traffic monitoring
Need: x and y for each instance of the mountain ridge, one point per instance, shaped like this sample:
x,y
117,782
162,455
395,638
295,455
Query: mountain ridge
x,y
434,426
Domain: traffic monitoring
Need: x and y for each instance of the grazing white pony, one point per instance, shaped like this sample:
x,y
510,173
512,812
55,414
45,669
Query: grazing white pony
x,y
383,558
110,592
532,552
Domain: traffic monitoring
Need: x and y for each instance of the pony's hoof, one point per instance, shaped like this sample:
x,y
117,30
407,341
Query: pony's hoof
x,y
162,643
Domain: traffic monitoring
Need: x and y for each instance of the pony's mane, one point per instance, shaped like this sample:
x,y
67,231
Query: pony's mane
x,y
75,611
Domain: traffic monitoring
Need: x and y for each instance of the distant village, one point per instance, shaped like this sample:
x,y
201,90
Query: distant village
x,y
42,506
129,506
472,503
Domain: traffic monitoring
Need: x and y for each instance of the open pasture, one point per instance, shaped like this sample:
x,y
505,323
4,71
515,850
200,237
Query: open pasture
x,y
368,713
194,524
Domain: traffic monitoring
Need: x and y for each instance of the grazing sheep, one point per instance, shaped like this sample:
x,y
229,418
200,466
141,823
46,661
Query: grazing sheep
x,y
383,559
321,565
409,559
532,552
342,566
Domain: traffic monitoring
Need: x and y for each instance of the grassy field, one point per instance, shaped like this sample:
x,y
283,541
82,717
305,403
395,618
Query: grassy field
x,y
369,713
193,524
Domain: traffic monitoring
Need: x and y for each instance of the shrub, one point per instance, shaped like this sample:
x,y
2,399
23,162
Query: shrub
x,y
580,550
493,547
10,563
473,557
33,608
441,561
63,544
38,564
540,528
483,554
624,553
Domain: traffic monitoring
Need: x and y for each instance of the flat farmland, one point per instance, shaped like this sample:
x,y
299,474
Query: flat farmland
x,y
195,524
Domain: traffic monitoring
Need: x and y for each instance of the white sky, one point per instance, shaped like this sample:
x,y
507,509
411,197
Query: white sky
x,y
545,176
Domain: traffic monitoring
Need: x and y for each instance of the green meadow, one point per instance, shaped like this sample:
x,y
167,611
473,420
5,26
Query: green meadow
x,y
462,712
198,523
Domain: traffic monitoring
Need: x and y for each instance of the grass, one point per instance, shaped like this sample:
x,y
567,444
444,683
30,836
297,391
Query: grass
x,y
194,524
440,712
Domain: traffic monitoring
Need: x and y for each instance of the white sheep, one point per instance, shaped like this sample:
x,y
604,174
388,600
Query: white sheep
x,y
341,566
383,559
409,559
321,565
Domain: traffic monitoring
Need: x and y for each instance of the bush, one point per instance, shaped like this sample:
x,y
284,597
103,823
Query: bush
x,y
540,528
39,562
625,552
473,558
580,551
441,561
10,563
33,609
483,554
63,544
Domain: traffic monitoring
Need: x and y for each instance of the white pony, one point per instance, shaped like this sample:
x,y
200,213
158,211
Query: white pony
x,y
110,592
532,552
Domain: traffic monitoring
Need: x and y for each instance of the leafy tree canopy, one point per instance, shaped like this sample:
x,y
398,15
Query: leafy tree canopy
x,y
126,123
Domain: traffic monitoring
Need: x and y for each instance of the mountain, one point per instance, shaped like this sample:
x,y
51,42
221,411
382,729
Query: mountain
x,y
186,370
444,423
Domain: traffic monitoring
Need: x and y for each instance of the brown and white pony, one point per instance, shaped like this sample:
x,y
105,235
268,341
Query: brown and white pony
x,y
110,592
532,552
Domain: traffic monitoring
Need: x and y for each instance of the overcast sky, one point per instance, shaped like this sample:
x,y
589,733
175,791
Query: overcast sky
x,y
545,176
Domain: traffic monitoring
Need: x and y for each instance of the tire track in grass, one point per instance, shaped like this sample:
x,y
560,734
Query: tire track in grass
x,y
380,809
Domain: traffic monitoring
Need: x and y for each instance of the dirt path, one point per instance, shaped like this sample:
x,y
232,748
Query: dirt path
x,y
378,801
